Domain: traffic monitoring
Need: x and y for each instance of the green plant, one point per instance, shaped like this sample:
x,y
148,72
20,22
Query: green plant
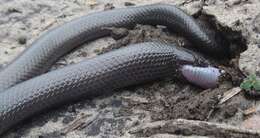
x,y
251,83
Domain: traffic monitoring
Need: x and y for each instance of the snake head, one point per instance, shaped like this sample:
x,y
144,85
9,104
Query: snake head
x,y
205,77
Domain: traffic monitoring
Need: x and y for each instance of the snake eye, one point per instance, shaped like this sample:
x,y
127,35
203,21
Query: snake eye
x,y
205,77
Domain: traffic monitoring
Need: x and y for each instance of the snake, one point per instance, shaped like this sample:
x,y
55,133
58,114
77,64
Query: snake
x,y
27,88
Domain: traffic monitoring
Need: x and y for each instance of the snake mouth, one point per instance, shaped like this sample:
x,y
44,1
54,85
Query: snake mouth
x,y
205,77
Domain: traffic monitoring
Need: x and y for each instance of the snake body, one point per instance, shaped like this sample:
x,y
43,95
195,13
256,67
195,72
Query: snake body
x,y
51,46
105,73
25,92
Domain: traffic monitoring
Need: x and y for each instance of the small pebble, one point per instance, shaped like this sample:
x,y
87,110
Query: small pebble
x,y
109,6
13,10
22,40
84,54
118,33
62,16
237,23
230,111
92,3
67,119
116,103
97,50
23,28
129,4
71,109
55,119
234,2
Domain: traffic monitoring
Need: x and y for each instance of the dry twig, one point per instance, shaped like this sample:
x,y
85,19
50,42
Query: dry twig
x,y
191,127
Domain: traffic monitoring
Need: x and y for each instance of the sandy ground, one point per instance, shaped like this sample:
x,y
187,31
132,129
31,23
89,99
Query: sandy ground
x,y
22,21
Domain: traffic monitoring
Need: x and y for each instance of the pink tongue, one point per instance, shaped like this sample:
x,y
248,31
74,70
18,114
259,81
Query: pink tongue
x,y
205,77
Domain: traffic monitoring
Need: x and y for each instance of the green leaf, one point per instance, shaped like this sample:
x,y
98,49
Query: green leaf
x,y
247,85
251,83
257,85
252,77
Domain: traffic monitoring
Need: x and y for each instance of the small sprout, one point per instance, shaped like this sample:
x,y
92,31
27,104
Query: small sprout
x,y
251,83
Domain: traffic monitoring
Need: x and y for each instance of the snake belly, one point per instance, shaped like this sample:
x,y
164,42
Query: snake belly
x,y
46,50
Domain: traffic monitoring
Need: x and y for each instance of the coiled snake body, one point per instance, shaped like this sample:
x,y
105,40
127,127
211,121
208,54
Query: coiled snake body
x,y
25,92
